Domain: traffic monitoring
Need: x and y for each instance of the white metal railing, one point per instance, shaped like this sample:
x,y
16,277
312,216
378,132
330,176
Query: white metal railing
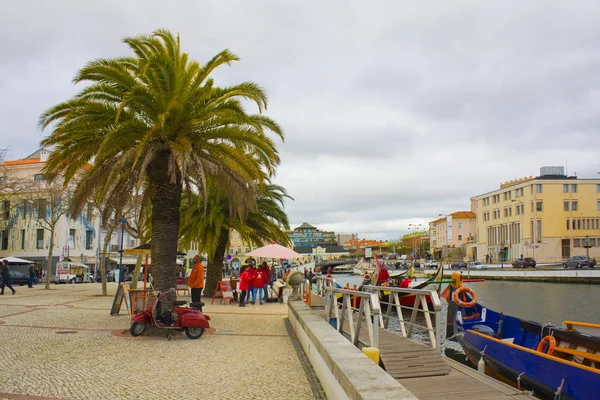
x,y
420,305
323,282
369,312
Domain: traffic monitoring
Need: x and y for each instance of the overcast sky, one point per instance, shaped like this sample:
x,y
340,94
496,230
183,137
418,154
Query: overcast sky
x,y
394,112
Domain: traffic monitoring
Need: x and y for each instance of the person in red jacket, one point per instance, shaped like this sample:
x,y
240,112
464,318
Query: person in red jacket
x,y
384,275
244,278
264,267
251,289
259,284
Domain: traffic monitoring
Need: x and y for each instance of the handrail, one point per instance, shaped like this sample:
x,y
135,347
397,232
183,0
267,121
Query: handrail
x,y
369,311
422,296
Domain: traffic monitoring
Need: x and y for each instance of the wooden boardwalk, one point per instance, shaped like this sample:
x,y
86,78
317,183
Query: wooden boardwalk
x,y
425,372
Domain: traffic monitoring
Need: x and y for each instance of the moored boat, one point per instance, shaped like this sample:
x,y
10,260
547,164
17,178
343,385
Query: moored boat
x,y
552,361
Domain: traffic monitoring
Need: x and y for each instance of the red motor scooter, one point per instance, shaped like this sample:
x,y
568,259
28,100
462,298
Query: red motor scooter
x,y
189,319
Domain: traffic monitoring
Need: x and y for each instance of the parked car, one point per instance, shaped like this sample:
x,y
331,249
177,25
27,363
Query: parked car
x,y
431,264
458,265
18,278
477,265
524,262
580,261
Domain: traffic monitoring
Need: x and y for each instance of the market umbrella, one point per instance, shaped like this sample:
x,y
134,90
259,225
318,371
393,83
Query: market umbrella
x,y
273,250
15,260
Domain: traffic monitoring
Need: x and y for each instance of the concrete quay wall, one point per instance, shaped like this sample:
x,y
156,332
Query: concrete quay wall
x,y
343,370
590,276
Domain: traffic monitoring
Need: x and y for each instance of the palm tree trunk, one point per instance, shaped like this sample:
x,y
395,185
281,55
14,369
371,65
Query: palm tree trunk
x,y
49,259
165,197
214,271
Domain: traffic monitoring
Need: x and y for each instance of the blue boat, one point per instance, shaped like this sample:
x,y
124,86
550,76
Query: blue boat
x,y
553,362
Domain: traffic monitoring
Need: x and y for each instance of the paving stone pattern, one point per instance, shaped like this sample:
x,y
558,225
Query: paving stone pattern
x,y
63,344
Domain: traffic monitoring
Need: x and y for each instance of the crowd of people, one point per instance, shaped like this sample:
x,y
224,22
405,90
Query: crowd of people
x,y
255,282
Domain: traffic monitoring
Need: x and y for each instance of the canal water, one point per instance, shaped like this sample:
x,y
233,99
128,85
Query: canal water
x,y
537,301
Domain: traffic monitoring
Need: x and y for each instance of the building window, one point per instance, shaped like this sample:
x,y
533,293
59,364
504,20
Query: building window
x,y
566,205
578,224
6,209
573,188
72,238
598,205
568,224
460,225
231,250
459,237
239,250
39,242
39,177
90,212
41,207
538,188
574,205
5,240
598,188
576,242
89,238
22,239
565,188
539,206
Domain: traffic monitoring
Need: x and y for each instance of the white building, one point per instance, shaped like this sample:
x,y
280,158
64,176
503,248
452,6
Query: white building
x,y
22,231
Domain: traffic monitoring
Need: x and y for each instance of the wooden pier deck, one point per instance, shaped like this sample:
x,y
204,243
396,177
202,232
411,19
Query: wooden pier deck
x,y
425,372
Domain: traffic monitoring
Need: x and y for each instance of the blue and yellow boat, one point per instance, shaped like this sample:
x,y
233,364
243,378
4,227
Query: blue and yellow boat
x,y
553,362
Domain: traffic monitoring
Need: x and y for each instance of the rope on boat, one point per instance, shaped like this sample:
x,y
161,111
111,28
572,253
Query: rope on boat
x,y
560,388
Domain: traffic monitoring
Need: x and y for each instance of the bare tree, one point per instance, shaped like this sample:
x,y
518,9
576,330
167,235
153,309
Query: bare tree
x,y
53,201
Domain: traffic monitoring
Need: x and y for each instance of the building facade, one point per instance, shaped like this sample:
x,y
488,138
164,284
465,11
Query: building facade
x,y
310,236
24,229
549,218
342,238
454,230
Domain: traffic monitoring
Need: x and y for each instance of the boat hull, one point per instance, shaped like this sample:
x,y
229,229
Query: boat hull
x,y
514,360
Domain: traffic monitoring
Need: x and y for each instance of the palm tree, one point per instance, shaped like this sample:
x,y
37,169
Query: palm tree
x,y
210,223
157,122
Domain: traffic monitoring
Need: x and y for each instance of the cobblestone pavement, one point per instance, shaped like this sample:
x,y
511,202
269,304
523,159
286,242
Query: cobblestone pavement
x,y
63,344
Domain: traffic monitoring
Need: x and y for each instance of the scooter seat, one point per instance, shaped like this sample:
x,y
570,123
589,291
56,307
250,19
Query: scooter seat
x,y
197,305
179,303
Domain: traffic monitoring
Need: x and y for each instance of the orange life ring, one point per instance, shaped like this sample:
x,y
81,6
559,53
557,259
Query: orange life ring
x,y
461,303
551,341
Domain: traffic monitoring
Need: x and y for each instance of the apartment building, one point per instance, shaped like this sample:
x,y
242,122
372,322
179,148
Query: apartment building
x,y
308,235
23,226
452,231
342,238
550,217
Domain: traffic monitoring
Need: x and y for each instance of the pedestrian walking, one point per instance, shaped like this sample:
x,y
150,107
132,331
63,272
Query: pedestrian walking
x,y
31,276
6,279
196,279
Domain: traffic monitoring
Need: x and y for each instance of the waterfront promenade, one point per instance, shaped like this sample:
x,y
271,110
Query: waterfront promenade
x,y
63,344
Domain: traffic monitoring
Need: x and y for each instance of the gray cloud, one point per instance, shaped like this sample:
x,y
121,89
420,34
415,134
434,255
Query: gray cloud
x,y
394,112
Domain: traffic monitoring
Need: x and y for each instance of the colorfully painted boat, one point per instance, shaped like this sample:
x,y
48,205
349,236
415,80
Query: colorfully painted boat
x,y
553,362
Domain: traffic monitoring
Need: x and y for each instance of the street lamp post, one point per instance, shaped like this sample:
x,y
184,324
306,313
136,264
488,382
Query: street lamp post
x,y
122,221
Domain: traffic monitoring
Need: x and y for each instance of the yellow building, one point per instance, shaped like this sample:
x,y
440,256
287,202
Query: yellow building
x,y
549,218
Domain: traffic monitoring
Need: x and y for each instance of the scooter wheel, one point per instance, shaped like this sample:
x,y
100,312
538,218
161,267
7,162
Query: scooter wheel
x,y
194,333
137,328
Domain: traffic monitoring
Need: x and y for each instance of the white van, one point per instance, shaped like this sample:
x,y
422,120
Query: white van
x,y
72,272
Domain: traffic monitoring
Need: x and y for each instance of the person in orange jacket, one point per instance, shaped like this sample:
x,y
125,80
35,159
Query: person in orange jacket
x,y
196,279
